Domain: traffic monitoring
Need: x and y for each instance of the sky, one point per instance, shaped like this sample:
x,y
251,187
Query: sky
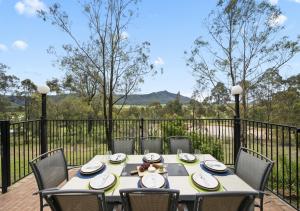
x,y
170,26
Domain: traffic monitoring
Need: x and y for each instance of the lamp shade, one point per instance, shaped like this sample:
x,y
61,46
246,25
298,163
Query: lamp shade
x,y
236,90
43,89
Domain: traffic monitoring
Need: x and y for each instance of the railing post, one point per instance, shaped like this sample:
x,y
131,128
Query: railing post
x,y
43,126
237,136
142,128
5,154
237,127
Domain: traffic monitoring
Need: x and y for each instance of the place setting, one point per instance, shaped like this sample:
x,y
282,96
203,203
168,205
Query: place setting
x,y
152,157
205,182
214,167
117,158
104,181
186,157
92,167
153,180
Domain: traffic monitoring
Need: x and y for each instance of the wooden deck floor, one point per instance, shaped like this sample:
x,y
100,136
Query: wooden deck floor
x,y
19,197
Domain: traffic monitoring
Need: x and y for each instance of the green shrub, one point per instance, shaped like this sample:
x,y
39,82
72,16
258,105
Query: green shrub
x,y
208,146
284,176
174,128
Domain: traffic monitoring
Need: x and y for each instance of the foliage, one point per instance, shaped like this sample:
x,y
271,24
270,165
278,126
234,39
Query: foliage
x,y
175,107
243,43
208,146
105,63
284,176
174,128
7,85
69,108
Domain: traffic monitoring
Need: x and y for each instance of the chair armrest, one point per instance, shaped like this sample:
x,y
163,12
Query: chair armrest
x,y
40,191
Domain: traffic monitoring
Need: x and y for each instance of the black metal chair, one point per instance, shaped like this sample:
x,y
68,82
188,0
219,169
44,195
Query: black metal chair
x,y
254,169
123,145
153,144
75,200
225,201
147,199
180,142
50,170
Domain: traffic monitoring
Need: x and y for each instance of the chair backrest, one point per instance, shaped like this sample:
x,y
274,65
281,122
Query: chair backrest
x,y
225,201
123,145
180,142
253,168
153,144
50,169
147,199
75,200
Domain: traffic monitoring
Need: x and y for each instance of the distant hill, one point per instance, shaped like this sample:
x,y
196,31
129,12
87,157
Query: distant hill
x,y
162,97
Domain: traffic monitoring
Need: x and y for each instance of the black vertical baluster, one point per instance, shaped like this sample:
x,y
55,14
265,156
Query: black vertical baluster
x,y
14,140
277,159
18,152
297,166
267,134
290,166
271,140
261,138
23,148
283,158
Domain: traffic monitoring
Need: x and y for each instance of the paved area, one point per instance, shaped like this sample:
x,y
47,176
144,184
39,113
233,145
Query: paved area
x,y
19,197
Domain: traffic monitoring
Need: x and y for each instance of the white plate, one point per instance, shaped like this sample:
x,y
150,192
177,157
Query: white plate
x,y
153,180
152,157
187,157
118,157
205,180
91,166
102,181
215,165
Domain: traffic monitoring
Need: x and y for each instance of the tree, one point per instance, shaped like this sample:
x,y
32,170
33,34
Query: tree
x,y
54,85
28,88
106,56
220,96
175,106
243,43
268,84
7,85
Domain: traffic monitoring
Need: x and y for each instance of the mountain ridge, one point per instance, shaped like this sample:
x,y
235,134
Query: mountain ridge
x,y
163,97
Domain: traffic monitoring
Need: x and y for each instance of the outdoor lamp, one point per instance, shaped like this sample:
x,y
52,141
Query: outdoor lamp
x,y
43,89
236,90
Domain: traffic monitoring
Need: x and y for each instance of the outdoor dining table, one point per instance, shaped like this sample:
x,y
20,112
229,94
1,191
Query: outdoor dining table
x,y
179,180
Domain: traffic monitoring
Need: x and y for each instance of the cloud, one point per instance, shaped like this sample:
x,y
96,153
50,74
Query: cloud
x,y
3,47
278,20
274,2
29,7
20,44
297,1
159,61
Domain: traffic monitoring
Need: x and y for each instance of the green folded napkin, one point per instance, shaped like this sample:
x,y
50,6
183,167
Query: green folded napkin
x,y
221,189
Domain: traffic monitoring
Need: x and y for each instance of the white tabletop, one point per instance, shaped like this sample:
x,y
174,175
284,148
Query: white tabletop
x,y
187,192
